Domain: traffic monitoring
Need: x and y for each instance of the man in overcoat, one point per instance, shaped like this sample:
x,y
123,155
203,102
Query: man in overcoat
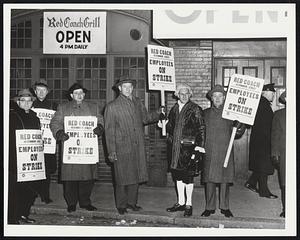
x,y
21,195
278,147
124,120
78,179
218,133
41,91
186,131
260,162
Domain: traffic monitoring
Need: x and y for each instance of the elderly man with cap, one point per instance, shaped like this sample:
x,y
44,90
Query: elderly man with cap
x,y
218,133
21,195
41,91
260,162
186,131
78,178
278,140
124,119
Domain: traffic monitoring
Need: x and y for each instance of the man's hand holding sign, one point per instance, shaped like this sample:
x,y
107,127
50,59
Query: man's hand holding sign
x,y
242,99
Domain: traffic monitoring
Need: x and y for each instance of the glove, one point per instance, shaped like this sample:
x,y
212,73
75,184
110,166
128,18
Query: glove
x,y
98,130
237,124
275,161
61,135
162,116
112,157
162,113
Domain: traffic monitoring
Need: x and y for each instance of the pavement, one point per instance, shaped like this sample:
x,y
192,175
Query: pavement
x,y
249,210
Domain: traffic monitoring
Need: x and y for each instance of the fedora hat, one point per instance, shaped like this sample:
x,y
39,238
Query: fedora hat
x,y
269,87
216,88
76,86
125,79
24,93
42,83
282,97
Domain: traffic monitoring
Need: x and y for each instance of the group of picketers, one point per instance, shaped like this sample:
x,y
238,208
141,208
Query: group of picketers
x,y
198,138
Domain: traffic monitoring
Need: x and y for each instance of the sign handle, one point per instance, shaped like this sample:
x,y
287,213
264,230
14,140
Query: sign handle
x,y
229,147
162,97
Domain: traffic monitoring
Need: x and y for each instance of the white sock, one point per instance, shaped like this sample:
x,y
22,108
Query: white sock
x,y
180,190
189,191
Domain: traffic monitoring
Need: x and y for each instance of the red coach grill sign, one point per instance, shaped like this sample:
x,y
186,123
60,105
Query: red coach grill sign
x,y
74,33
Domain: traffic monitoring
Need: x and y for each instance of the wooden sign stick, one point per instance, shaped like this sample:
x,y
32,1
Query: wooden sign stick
x,y
229,147
162,94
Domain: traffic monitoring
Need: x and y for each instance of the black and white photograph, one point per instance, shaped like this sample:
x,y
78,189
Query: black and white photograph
x,y
149,119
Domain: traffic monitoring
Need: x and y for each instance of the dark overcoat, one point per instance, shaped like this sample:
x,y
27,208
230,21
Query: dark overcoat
x,y
278,141
124,121
75,172
186,124
218,133
260,139
21,195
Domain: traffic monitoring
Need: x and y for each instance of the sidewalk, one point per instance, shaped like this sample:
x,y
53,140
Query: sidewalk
x,y
249,210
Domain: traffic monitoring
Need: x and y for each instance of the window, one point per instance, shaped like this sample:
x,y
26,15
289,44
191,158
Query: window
x,y
91,73
56,72
278,76
21,35
20,74
135,68
226,74
250,71
41,32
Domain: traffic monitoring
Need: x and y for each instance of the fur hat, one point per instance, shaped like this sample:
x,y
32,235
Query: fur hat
x,y
24,93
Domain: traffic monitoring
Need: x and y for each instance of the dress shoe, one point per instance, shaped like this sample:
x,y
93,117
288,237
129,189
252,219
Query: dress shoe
x,y
227,213
47,200
188,211
71,208
271,196
282,214
176,207
250,187
89,207
121,211
27,219
134,207
207,213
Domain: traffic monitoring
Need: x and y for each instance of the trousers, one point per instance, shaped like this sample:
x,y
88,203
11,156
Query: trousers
x,y
262,180
126,194
210,195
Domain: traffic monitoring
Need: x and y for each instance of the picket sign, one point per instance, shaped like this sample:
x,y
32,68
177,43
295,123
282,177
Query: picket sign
x,y
161,73
241,103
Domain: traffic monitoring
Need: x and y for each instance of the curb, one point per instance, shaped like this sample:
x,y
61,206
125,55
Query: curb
x,y
152,217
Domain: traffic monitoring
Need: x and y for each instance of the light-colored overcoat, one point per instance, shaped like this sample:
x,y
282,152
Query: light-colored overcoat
x,y
278,140
124,121
75,172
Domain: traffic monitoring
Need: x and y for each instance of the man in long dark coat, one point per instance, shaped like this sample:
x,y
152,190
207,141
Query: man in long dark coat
x,y
218,133
186,131
41,91
21,195
124,131
78,179
278,147
260,145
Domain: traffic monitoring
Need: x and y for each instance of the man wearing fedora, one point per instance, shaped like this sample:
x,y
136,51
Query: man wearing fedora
x,y
78,179
124,119
278,140
41,91
218,134
260,162
21,195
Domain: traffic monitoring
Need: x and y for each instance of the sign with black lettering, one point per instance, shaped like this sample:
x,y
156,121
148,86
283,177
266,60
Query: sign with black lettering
x,y
82,145
45,116
74,33
161,68
30,155
242,98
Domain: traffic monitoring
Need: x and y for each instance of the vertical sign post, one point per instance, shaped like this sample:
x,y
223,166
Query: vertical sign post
x,y
161,72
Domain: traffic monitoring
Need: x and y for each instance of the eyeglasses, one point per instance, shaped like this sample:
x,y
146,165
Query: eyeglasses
x,y
27,101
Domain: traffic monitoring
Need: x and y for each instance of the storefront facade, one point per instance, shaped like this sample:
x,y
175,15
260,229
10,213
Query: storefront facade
x,y
200,63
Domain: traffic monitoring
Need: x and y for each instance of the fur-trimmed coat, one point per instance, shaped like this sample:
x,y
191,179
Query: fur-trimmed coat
x,y
186,124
